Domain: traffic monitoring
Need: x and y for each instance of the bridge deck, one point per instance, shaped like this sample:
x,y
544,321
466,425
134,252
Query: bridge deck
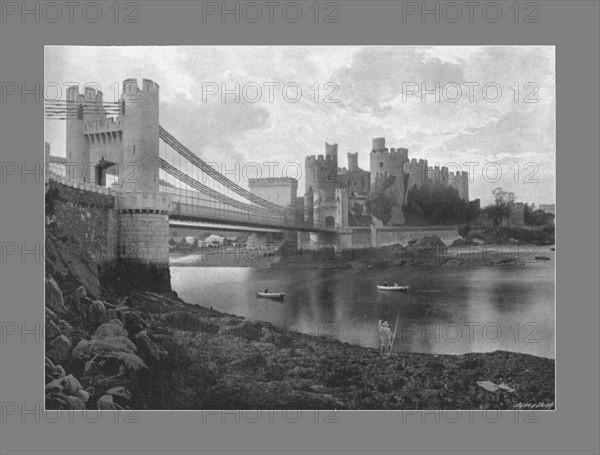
x,y
192,206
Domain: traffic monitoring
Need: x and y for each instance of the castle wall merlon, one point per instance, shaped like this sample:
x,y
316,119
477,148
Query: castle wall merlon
x,y
130,85
150,86
144,201
99,126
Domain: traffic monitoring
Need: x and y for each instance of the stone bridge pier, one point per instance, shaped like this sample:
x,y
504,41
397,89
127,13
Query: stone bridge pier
x,y
143,241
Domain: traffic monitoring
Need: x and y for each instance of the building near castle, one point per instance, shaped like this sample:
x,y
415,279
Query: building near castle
x,y
281,191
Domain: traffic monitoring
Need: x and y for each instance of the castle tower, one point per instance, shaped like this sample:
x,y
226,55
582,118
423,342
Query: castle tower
x,y
352,162
379,144
465,186
321,172
140,135
385,163
331,150
460,182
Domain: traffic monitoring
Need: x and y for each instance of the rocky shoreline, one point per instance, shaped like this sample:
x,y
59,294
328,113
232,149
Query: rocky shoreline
x,y
148,350
429,251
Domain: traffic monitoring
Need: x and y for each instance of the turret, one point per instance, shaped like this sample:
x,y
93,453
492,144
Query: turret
x,y
352,162
331,151
321,172
140,135
378,144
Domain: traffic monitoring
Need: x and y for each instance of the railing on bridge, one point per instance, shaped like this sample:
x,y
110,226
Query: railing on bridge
x,y
195,205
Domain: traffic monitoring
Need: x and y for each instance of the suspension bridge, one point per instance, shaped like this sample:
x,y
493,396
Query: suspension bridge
x,y
125,143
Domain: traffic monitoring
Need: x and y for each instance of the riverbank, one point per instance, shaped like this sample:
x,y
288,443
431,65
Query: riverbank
x,y
427,252
152,351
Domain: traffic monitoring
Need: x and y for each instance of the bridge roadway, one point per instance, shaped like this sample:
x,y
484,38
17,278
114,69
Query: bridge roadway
x,y
192,209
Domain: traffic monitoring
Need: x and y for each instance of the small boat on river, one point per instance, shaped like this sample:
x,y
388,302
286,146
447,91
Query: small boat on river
x,y
270,295
394,287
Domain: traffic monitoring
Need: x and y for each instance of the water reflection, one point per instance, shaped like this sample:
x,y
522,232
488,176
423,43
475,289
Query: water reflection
x,y
447,311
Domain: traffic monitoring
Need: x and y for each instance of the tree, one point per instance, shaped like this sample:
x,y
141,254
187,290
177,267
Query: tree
x,y
500,210
438,203
540,218
463,231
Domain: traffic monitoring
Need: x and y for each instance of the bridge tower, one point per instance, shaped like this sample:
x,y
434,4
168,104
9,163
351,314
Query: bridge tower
x,y
140,135
143,212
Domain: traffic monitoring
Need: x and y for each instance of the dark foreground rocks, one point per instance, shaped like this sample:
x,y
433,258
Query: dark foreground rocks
x,y
152,351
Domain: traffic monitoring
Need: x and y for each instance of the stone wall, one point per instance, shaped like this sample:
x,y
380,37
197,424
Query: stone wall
x,y
361,238
143,237
387,236
128,242
90,217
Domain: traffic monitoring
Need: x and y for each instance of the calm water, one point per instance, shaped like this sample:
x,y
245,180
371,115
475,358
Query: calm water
x,y
448,310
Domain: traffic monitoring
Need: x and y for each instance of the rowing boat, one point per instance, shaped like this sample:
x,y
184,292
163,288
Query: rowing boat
x,y
270,295
395,287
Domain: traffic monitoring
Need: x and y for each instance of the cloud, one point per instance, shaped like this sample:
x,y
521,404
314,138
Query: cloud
x,y
368,84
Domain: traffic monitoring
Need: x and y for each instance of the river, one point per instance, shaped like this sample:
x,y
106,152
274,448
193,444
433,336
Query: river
x,y
447,311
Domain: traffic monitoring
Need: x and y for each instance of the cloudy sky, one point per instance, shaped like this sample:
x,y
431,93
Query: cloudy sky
x,y
370,92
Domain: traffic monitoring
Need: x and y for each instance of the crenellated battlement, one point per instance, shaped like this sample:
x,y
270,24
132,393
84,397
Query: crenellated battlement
x,y
84,186
393,153
331,150
459,175
131,86
89,95
320,159
103,126
150,86
141,201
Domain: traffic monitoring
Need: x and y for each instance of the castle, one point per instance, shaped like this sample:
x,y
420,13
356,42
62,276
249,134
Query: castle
x,y
390,172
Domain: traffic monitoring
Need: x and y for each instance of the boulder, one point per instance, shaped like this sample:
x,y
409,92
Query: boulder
x,y
62,401
65,327
120,391
133,323
111,329
52,330
113,364
106,402
83,395
120,394
59,348
53,371
86,349
96,313
69,385
54,296
149,350
78,294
